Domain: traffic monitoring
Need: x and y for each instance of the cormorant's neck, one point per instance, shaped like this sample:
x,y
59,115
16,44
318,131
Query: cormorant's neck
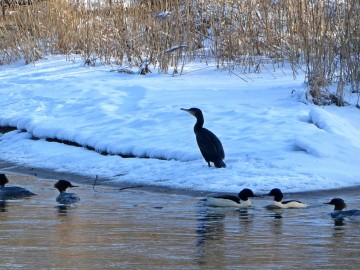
x,y
199,123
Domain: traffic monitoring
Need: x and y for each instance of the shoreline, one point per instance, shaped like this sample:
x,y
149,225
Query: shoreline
x,y
42,173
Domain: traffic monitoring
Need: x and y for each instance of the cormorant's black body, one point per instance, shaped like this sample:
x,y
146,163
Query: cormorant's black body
x,y
209,145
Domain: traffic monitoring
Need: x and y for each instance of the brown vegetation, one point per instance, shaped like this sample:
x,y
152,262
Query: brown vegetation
x,y
322,36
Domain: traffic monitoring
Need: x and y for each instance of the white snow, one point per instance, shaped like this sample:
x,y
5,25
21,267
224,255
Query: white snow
x,y
271,138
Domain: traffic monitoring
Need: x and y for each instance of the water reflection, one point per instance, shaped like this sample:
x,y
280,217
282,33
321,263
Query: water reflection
x,y
210,230
339,222
211,224
339,231
219,235
63,209
3,206
245,219
244,214
276,213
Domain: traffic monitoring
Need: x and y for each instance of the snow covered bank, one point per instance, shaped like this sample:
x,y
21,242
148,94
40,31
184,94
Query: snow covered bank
x,y
270,138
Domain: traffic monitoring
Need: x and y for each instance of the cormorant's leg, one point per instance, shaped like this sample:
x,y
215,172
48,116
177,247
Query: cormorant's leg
x,y
209,164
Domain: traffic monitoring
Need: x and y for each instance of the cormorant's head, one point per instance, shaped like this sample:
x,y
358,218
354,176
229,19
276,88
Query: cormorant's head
x,y
3,180
338,203
194,111
62,185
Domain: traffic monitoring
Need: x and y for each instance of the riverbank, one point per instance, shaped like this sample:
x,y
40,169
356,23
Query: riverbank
x,y
131,129
42,173
15,169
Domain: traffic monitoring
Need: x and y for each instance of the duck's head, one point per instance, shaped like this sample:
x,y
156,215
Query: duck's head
x,y
338,203
3,180
62,185
245,194
276,192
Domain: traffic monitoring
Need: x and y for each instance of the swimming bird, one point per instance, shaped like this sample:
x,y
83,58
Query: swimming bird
x,y
209,145
240,201
64,197
12,192
339,205
278,203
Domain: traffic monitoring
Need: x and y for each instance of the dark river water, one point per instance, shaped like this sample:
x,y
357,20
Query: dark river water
x,y
135,229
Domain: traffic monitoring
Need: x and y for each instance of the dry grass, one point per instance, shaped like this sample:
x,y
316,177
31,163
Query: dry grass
x,y
321,35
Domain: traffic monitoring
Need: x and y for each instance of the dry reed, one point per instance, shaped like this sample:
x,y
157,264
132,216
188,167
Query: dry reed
x,y
320,35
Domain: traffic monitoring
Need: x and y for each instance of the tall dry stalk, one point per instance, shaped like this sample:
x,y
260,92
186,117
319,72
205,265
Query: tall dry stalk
x,y
320,35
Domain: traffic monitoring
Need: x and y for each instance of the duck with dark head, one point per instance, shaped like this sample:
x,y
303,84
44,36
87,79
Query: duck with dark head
x,y
12,192
339,212
64,197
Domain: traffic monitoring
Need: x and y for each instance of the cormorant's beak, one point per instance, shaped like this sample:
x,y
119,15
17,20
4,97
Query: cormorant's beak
x,y
326,203
74,186
187,110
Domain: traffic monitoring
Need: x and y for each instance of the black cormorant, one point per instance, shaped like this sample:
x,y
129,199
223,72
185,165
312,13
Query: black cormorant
x,y
209,145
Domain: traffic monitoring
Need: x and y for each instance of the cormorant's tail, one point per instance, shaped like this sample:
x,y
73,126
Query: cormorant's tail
x,y
219,164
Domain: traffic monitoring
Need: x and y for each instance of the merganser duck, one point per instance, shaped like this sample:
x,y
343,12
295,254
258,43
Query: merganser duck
x,y
64,197
240,201
338,212
278,203
12,192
